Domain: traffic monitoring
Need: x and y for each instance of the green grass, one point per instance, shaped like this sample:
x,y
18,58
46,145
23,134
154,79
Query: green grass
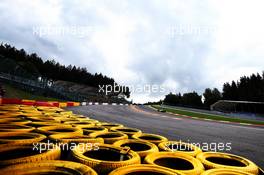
x,y
12,92
207,116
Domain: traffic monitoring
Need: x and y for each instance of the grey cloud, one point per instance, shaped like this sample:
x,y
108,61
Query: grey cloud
x,y
157,52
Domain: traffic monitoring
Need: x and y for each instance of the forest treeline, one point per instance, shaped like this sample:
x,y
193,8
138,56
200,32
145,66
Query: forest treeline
x,y
247,88
18,62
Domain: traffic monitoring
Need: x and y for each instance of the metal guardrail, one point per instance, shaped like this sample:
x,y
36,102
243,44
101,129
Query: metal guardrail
x,y
44,85
56,90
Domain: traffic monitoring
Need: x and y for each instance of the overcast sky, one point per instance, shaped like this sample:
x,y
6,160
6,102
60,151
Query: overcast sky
x,y
179,45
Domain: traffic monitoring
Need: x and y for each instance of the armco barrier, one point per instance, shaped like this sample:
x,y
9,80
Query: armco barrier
x,y
37,103
28,102
76,104
73,103
11,101
62,104
44,103
54,103
83,103
70,103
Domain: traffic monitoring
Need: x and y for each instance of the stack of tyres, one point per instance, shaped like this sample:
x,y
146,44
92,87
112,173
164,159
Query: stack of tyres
x,y
49,168
33,140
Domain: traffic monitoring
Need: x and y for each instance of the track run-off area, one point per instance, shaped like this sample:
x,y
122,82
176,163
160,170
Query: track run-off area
x,y
246,141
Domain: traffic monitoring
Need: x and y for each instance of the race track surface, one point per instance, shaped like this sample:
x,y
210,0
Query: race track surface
x,y
247,141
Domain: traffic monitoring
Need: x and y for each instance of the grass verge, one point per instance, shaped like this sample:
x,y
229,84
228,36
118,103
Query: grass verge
x,y
208,116
13,92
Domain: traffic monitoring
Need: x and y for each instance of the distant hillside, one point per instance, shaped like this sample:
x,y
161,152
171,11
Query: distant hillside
x,y
31,66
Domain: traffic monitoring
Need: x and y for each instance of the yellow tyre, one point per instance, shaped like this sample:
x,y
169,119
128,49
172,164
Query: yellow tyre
x,y
14,120
225,160
143,169
92,129
143,148
41,124
175,146
110,125
67,129
178,162
13,138
128,131
220,171
15,128
109,137
64,138
153,138
42,118
49,167
17,154
66,112
90,120
105,158
80,123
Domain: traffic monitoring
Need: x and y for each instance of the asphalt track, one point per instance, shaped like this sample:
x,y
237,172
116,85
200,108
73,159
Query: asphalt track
x,y
247,141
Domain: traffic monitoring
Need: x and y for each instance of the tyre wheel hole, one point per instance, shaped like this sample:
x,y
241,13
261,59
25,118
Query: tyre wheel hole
x,y
149,138
226,161
127,130
19,153
18,137
61,130
94,129
109,136
174,163
137,146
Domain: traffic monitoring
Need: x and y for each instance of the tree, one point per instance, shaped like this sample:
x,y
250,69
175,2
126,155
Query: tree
x,y
173,99
211,96
192,99
32,66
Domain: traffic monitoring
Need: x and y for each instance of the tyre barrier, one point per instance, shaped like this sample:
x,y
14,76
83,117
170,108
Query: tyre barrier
x,y
153,138
109,125
96,122
18,154
49,168
87,130
126,130
175,146
23,125
224,160
41,124
67,142
142,169
143,148
21,122
67,129
14,138
178,162
15,128
105,158
14,120
64,138
42,119
80,123
109,137
220,171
